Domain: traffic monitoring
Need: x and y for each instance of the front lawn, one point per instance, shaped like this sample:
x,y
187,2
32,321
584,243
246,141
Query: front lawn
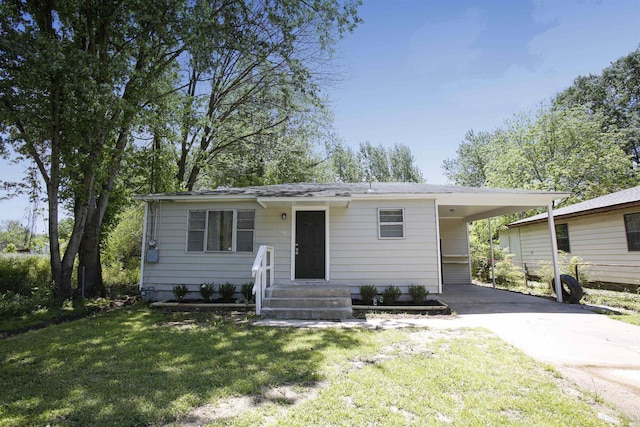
x,y
139,367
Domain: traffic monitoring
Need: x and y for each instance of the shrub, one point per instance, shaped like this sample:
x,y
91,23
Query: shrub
x,y
418,293
507,273
227,290
207,290
368,293
21,273
180,291
247,291
13,304
391,294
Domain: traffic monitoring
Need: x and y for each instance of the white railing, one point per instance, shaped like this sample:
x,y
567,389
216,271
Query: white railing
x,y
262,270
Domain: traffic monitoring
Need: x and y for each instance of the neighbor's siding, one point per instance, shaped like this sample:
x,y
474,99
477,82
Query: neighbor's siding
x,y
455,251
598,239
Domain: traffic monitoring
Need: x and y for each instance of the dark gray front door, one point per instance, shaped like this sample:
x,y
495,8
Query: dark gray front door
x,y
310,245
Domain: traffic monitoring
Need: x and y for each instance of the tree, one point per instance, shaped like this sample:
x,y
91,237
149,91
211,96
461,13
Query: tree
x,y
565,150
468,168
374,163
76,81
615,95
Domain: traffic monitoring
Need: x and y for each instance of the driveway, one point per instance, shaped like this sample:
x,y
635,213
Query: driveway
x,y
600,354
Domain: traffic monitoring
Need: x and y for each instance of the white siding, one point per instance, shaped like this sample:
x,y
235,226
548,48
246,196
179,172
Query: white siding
x,y
357,255
455,251
599,239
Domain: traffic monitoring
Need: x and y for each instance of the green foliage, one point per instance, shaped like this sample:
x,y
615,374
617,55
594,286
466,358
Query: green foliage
x,y
391,294
10,249
567,265
21,273
15,236
180,291
14,304
207,290
368,293
375,164
418,293
613,95
227,290
507,273
247,291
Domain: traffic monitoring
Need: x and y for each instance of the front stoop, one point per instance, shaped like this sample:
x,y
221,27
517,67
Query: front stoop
x,y
307,302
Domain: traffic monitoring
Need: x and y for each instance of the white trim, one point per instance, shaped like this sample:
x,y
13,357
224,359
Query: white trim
x,y
143,255
404,221
327,246
438,251
466,225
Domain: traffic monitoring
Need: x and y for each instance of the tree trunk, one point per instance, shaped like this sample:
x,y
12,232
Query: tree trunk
x,y
89,265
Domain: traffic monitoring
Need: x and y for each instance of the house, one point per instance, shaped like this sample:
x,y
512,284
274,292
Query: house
x,y
604,232
324,236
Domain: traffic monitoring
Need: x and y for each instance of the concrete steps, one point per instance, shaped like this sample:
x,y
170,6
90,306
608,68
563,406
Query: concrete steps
x,y
308,301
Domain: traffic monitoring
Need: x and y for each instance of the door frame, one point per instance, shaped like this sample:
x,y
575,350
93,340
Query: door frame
x,y
327,259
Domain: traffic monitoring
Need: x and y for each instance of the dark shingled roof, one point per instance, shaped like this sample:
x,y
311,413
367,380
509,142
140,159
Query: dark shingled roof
x,y
344,190
608,202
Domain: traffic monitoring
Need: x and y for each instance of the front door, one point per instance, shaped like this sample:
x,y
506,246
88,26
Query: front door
x,y
310,245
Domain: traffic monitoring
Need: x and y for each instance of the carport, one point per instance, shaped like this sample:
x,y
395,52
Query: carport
x,y
465,205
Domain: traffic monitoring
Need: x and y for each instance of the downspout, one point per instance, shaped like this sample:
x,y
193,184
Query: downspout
x,y
554,252
144,243
493,258
438,247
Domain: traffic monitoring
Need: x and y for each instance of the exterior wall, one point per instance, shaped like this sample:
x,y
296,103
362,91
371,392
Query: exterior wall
x,y
357,256
599,239
455,251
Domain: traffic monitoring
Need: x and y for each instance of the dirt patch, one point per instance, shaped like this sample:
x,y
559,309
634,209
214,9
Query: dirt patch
x,y
286,395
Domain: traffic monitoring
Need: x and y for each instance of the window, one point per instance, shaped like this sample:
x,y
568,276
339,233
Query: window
x,y
222,230
562,237
632,227
391,223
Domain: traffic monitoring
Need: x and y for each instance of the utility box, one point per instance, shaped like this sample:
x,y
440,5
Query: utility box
x,y
152,255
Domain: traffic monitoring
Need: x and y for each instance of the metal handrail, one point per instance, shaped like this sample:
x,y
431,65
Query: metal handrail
x,y
262,265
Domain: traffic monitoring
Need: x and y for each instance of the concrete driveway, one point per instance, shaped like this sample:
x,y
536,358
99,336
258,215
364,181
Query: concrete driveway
x,y
600,354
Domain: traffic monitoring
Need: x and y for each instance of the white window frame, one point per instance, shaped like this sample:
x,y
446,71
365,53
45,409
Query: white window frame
x,y
234,231
380,224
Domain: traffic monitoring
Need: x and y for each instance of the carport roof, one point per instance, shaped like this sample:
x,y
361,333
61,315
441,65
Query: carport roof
x,y
469,203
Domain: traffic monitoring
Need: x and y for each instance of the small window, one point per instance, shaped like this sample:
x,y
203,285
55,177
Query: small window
x,y
391,223
632,227
245,227
562,237
196,229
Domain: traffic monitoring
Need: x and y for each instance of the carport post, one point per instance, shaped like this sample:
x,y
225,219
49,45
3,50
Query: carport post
x,y
554,252
493,259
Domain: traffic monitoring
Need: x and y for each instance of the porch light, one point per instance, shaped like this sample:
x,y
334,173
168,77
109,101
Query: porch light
x,y
284,216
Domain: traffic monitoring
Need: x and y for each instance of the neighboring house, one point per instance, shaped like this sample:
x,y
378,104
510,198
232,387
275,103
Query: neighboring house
x,y
604,232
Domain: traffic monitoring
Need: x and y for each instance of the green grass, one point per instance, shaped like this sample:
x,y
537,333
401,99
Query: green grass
x,y
45,316
138,367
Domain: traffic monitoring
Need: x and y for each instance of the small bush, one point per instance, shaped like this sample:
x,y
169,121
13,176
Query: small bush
x,y
180,291
247,291
391,295
21,273
13,304
207,290
368,293
418,293
227,290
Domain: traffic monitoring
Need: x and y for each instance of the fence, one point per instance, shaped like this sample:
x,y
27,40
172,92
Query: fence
x,y
622,277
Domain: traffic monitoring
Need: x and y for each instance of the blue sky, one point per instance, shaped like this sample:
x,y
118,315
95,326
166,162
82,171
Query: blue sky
x,y
424,72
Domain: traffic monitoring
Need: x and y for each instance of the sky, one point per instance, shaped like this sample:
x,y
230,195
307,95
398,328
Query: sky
x,y
425,72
